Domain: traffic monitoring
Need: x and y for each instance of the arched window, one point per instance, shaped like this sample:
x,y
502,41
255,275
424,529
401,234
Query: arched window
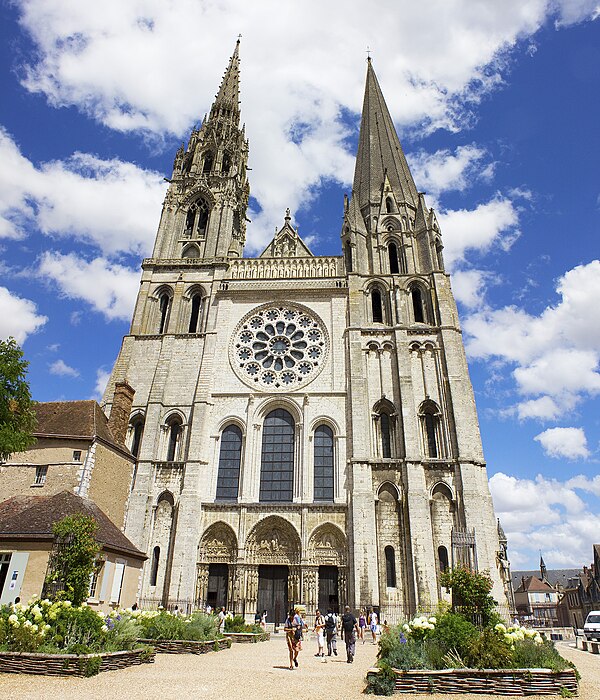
x,y
443,558
389,206
417,302
191,251
438,252
164,305
277,460
431,429
195,313
207,165
386,440
196,221
137,431
323,463
393,256
228,478
154,567
226,163
390,567
174,428
376,306
348,256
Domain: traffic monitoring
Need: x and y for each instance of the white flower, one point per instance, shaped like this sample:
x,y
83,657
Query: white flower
x,y
433,620
13,619
27,623
34,628
67,603
104,628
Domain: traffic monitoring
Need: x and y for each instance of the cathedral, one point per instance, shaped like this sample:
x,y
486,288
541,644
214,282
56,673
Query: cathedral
x,y
304,426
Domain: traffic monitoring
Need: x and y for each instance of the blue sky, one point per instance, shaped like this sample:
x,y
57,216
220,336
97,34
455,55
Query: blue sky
x,y
497,106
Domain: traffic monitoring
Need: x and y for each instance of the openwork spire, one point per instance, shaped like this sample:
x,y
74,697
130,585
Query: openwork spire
x,y
379,151
227,100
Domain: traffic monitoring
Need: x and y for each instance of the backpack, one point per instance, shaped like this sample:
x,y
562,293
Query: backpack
x,y
330,621
348,622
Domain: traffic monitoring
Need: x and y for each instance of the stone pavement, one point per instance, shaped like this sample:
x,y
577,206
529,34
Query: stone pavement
x,y
248,672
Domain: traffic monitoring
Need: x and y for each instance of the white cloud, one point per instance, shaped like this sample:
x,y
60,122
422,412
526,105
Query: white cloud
x,y
110,204
137,67
564,442
18,317
102,377
468,287
495,222
62,369
562,342
444,171
549,515
109,288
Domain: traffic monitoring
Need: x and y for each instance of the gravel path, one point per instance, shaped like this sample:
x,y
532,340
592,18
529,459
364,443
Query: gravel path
x,y
248,672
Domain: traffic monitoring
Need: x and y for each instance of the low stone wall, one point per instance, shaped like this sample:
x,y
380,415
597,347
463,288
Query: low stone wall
x,y
186,646
531,681
248,637
71,664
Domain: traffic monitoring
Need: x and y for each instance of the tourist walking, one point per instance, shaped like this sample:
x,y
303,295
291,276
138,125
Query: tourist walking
x,y
222,617
373,622
362,623
263,620
319,628
331,625
349,631
294,626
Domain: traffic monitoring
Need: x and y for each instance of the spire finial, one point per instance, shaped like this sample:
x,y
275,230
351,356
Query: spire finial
x,y
288,216
369,54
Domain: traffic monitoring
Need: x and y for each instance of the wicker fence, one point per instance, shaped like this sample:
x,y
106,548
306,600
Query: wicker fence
x,y
248,637
486,682
186,646
71,664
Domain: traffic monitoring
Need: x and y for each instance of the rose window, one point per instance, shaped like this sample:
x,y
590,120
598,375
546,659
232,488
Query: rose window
x,y
280,347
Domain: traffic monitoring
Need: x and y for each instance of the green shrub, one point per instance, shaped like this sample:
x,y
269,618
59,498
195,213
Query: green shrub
x,y
528,654
489,650
382,683
401,652
452,634
164,626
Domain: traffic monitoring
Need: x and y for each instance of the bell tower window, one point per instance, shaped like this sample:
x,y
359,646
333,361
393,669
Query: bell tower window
x,y
417,302
389,207
196,221
386,441
207,165
393,256
195,313
348,256
164,305
376,306
174,428
226,165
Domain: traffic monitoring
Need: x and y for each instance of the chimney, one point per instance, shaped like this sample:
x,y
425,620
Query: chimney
x,y
120,411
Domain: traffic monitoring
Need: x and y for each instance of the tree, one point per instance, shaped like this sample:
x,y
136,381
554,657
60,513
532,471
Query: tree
x,y
17,418
470,593
73,558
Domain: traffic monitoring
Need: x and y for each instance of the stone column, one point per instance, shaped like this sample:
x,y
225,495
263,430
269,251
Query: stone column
x,y
251,595
294,585
201,584
310,587
342,587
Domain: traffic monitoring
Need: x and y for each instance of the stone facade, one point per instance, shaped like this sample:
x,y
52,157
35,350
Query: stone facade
x,y
305,426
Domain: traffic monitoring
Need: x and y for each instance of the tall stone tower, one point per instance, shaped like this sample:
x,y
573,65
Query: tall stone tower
x,y
304,425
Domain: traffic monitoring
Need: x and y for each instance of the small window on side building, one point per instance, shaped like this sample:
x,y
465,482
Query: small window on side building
x,y
77,455
40,476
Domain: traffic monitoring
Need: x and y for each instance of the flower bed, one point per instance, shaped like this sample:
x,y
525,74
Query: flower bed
x,y
248,637
448,654
538,681
72,664
186,646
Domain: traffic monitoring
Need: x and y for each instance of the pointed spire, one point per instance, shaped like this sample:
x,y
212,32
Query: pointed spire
x,y
543,570
228,97
379,151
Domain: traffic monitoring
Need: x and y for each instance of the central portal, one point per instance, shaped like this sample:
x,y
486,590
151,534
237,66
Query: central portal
x,y
273,592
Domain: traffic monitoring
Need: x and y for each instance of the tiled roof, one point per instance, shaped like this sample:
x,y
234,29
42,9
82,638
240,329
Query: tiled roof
x,y
32,517
78,419
533,583
553,576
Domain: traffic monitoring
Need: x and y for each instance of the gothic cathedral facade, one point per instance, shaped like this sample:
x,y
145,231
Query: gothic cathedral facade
x,y
304,426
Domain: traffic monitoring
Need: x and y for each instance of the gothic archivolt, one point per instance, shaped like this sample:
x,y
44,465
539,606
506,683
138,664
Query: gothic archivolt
x,y
327,546
218,544
273,541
